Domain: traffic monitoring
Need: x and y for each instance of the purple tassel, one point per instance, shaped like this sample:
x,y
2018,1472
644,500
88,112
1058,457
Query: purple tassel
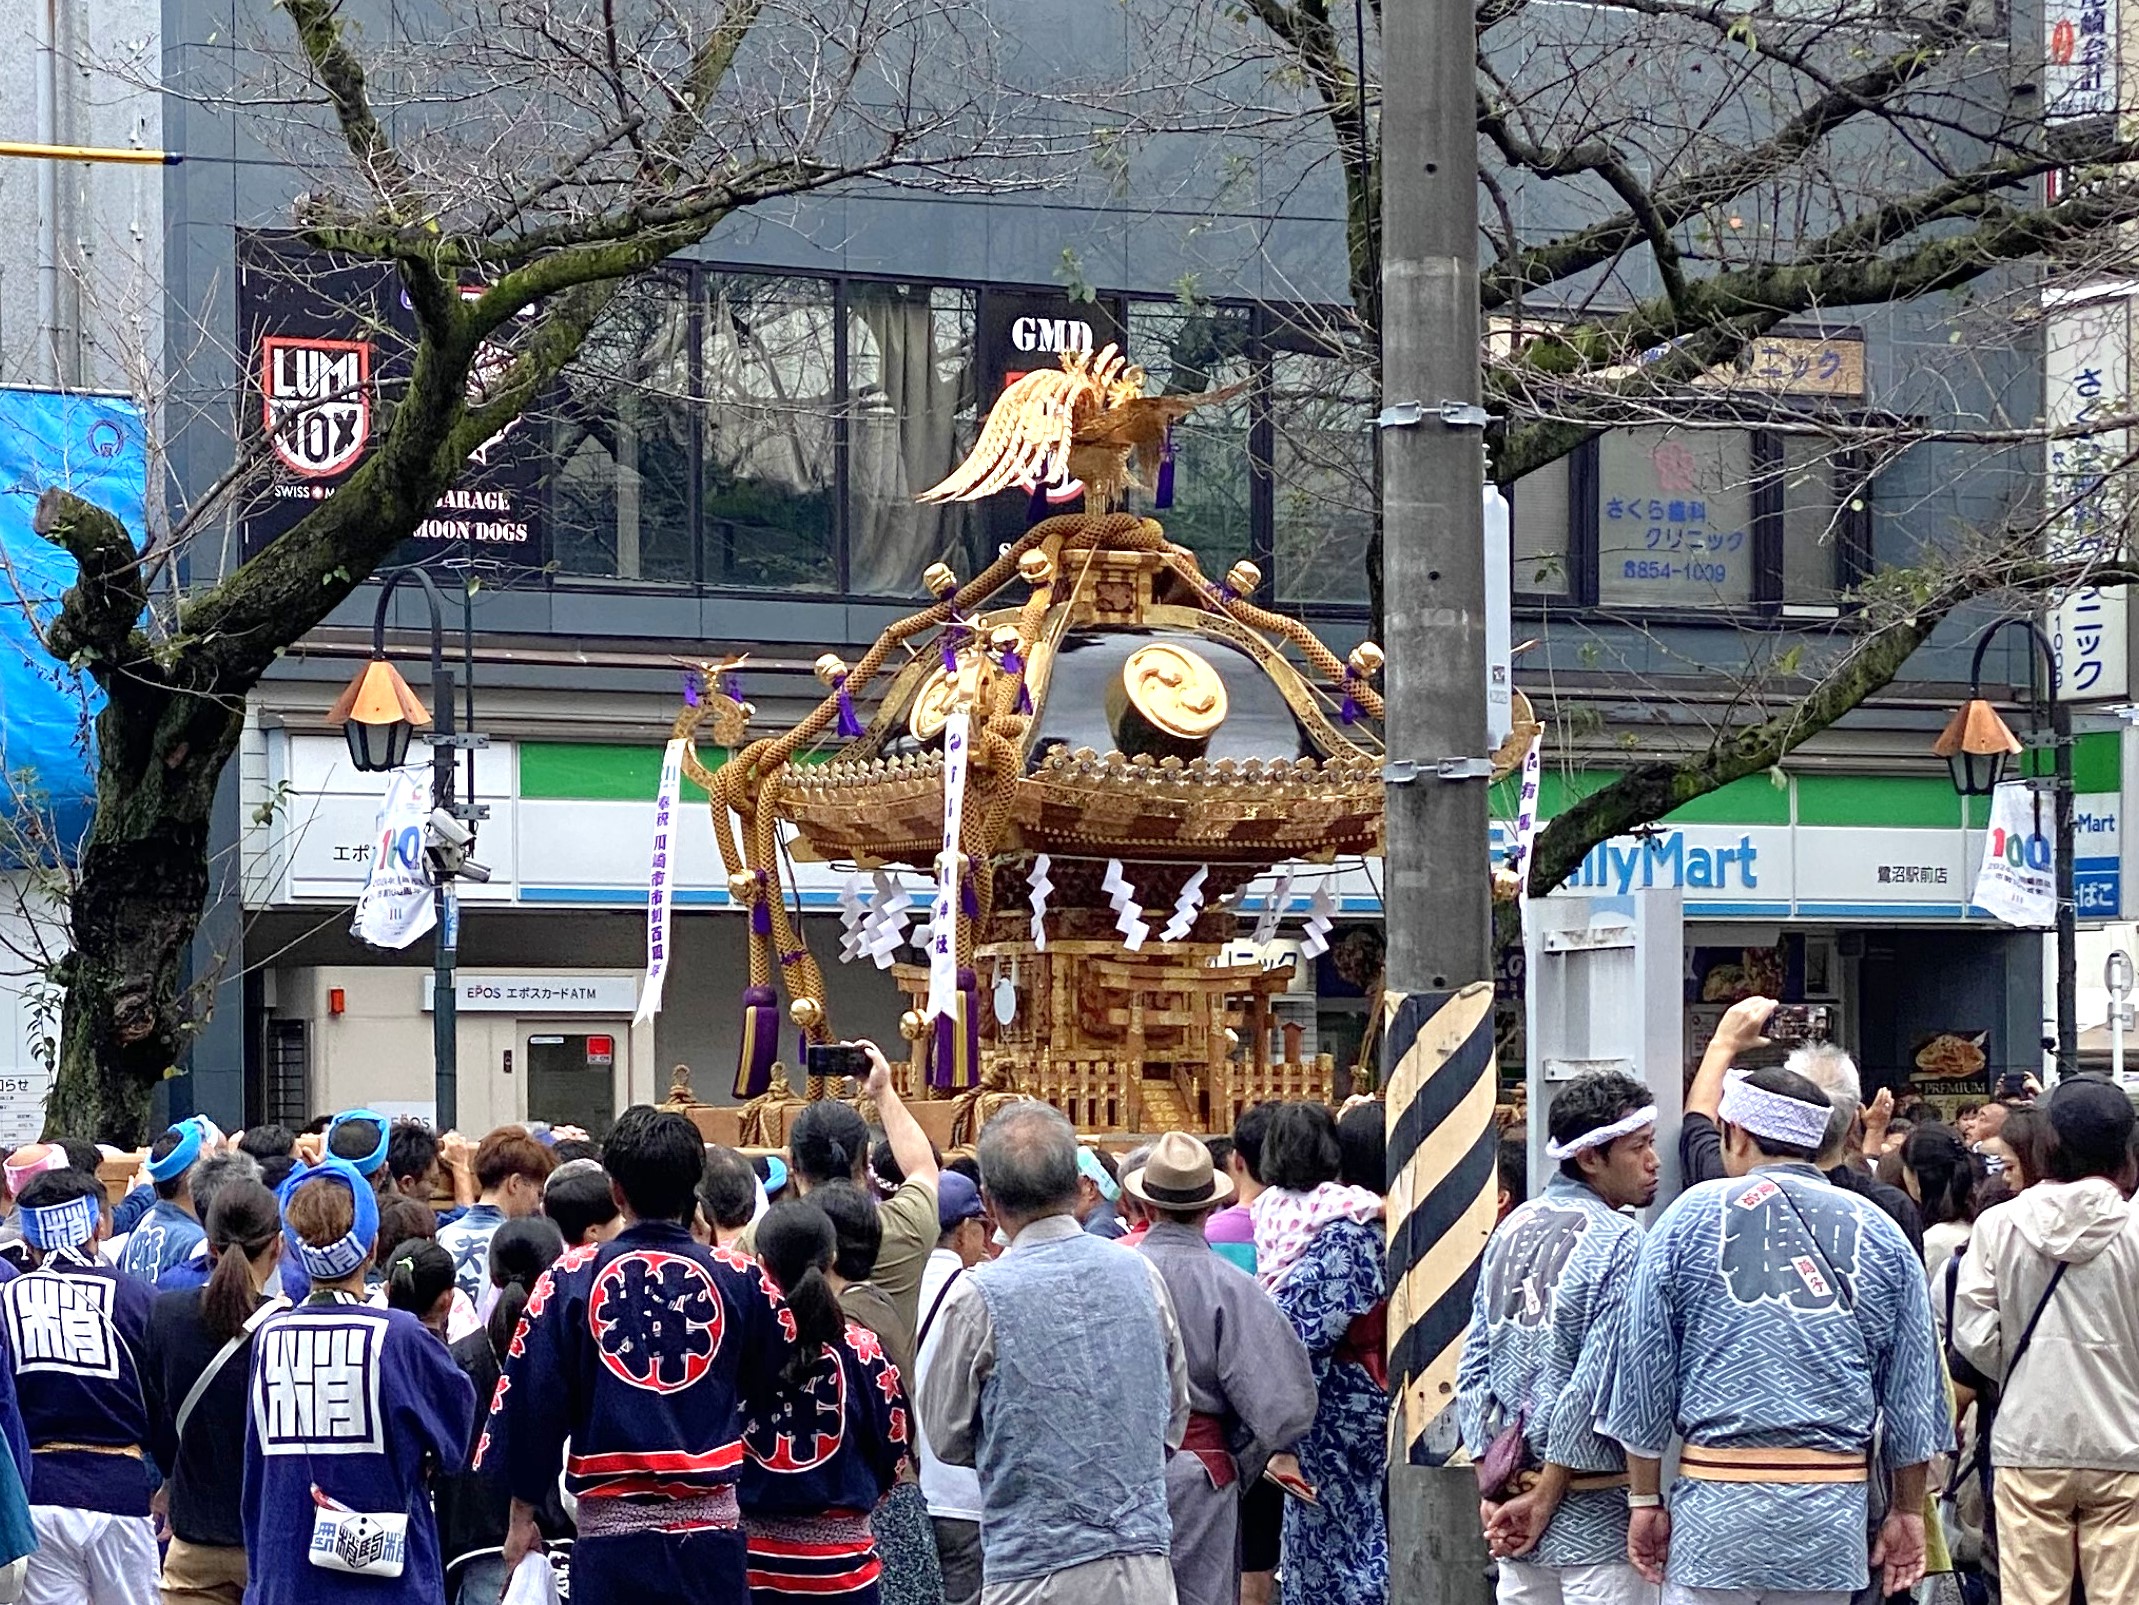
x,y
950,653
760,919
1349,712
968,902
761,1041
850,724
734,689
1163,496
1037,508
1015,666
954,1050
690,689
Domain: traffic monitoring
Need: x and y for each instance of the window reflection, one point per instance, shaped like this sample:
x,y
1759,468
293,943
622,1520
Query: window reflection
x,y
620,480
1185,350
771,388
910,419
1322,474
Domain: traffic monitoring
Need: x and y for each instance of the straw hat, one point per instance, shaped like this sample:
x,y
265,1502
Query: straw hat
x,y
1179,1175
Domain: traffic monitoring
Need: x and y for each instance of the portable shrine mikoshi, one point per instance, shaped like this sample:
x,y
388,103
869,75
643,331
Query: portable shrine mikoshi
x,y
1089,749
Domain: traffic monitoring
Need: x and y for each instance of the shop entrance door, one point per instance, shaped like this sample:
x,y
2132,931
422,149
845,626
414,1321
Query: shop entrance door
x,y
572,1075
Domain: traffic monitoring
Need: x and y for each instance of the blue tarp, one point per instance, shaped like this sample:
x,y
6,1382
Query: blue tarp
x,y
96,447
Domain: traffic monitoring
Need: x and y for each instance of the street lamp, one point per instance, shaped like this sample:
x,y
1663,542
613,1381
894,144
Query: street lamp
x,y
1976,744
379,715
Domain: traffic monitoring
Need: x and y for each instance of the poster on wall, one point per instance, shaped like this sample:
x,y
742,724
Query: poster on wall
x,y
326,345
95,446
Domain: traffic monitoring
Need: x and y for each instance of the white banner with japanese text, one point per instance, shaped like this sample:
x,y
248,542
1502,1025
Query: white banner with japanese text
x,y
943,927
660,879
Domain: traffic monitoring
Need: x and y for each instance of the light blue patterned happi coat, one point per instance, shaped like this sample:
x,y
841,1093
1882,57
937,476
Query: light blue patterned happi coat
x,y
1550,1300
1737,1335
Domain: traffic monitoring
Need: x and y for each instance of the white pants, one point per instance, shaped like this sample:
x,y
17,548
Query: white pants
x,y
1606,1583
1680,1594
85,1557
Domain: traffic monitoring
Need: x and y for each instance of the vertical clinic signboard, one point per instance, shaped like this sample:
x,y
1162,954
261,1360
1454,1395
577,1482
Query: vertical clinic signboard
x,y
326,345
2086,368
2080,71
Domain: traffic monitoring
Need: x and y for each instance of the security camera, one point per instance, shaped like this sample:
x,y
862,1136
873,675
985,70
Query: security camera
x,y
446,831
470,870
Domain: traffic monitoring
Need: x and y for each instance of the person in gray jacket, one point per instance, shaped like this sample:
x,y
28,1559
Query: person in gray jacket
x,y
1059,1376
1251,1386
2047,1304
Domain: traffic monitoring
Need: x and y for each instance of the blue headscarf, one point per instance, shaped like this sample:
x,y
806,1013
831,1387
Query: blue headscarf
x,y
370,1163
191,1134
337,1259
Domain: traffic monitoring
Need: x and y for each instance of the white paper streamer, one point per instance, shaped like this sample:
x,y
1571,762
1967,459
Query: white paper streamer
x,y
853,919
1274,910
1314,939
1128,912
1042,890
1186,907
886,925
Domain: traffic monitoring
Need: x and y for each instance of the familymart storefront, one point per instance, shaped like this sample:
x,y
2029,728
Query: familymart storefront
x,y
1853,891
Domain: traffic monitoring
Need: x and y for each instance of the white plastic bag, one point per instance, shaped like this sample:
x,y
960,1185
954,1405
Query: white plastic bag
x,y
533,1582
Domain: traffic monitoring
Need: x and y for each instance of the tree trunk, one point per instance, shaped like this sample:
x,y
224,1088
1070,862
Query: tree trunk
x,y
138,898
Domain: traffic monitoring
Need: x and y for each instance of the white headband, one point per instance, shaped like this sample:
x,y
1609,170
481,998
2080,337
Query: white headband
x,y
1624,1126
1774,1115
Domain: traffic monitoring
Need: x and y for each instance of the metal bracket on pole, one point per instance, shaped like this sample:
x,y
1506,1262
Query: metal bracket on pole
x,y
1451,414
463,740
1403,771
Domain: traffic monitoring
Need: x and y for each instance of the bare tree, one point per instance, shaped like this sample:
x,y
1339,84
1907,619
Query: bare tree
x,y
1669,187
515,164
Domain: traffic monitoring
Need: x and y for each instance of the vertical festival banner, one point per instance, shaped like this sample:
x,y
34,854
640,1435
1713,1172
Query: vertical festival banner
x,y
943,926
1526,826
660,879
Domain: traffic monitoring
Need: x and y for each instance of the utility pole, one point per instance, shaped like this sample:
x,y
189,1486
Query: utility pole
x,y
1438,1044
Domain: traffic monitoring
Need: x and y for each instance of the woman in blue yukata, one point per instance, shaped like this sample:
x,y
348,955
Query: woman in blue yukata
x,y
353,1408
1325,1269
822,1452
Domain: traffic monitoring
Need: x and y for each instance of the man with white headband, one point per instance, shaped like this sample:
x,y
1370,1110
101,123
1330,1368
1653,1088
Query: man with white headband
x,y
169,1232
1773,1318
1543,1323
73,1331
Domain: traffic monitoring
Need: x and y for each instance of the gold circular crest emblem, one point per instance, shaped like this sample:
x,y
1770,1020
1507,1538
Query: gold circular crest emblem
x,y
941,694
1175,689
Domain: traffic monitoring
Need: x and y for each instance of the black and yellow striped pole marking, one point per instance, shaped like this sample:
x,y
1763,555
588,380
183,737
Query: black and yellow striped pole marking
x,y
1438,1054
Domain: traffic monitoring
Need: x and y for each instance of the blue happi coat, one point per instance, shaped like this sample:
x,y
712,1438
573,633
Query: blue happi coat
x,y
1776,1310
644,1351
1550,1300
162,1238
832,1443
73,1331
363,1403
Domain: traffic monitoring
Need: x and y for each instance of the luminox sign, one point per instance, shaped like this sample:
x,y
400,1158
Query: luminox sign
x,y
316,402
1051,334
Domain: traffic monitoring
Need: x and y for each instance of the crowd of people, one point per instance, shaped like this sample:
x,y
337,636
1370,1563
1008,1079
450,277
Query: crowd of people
x,y
1896,1358
1882,1356
367,1362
